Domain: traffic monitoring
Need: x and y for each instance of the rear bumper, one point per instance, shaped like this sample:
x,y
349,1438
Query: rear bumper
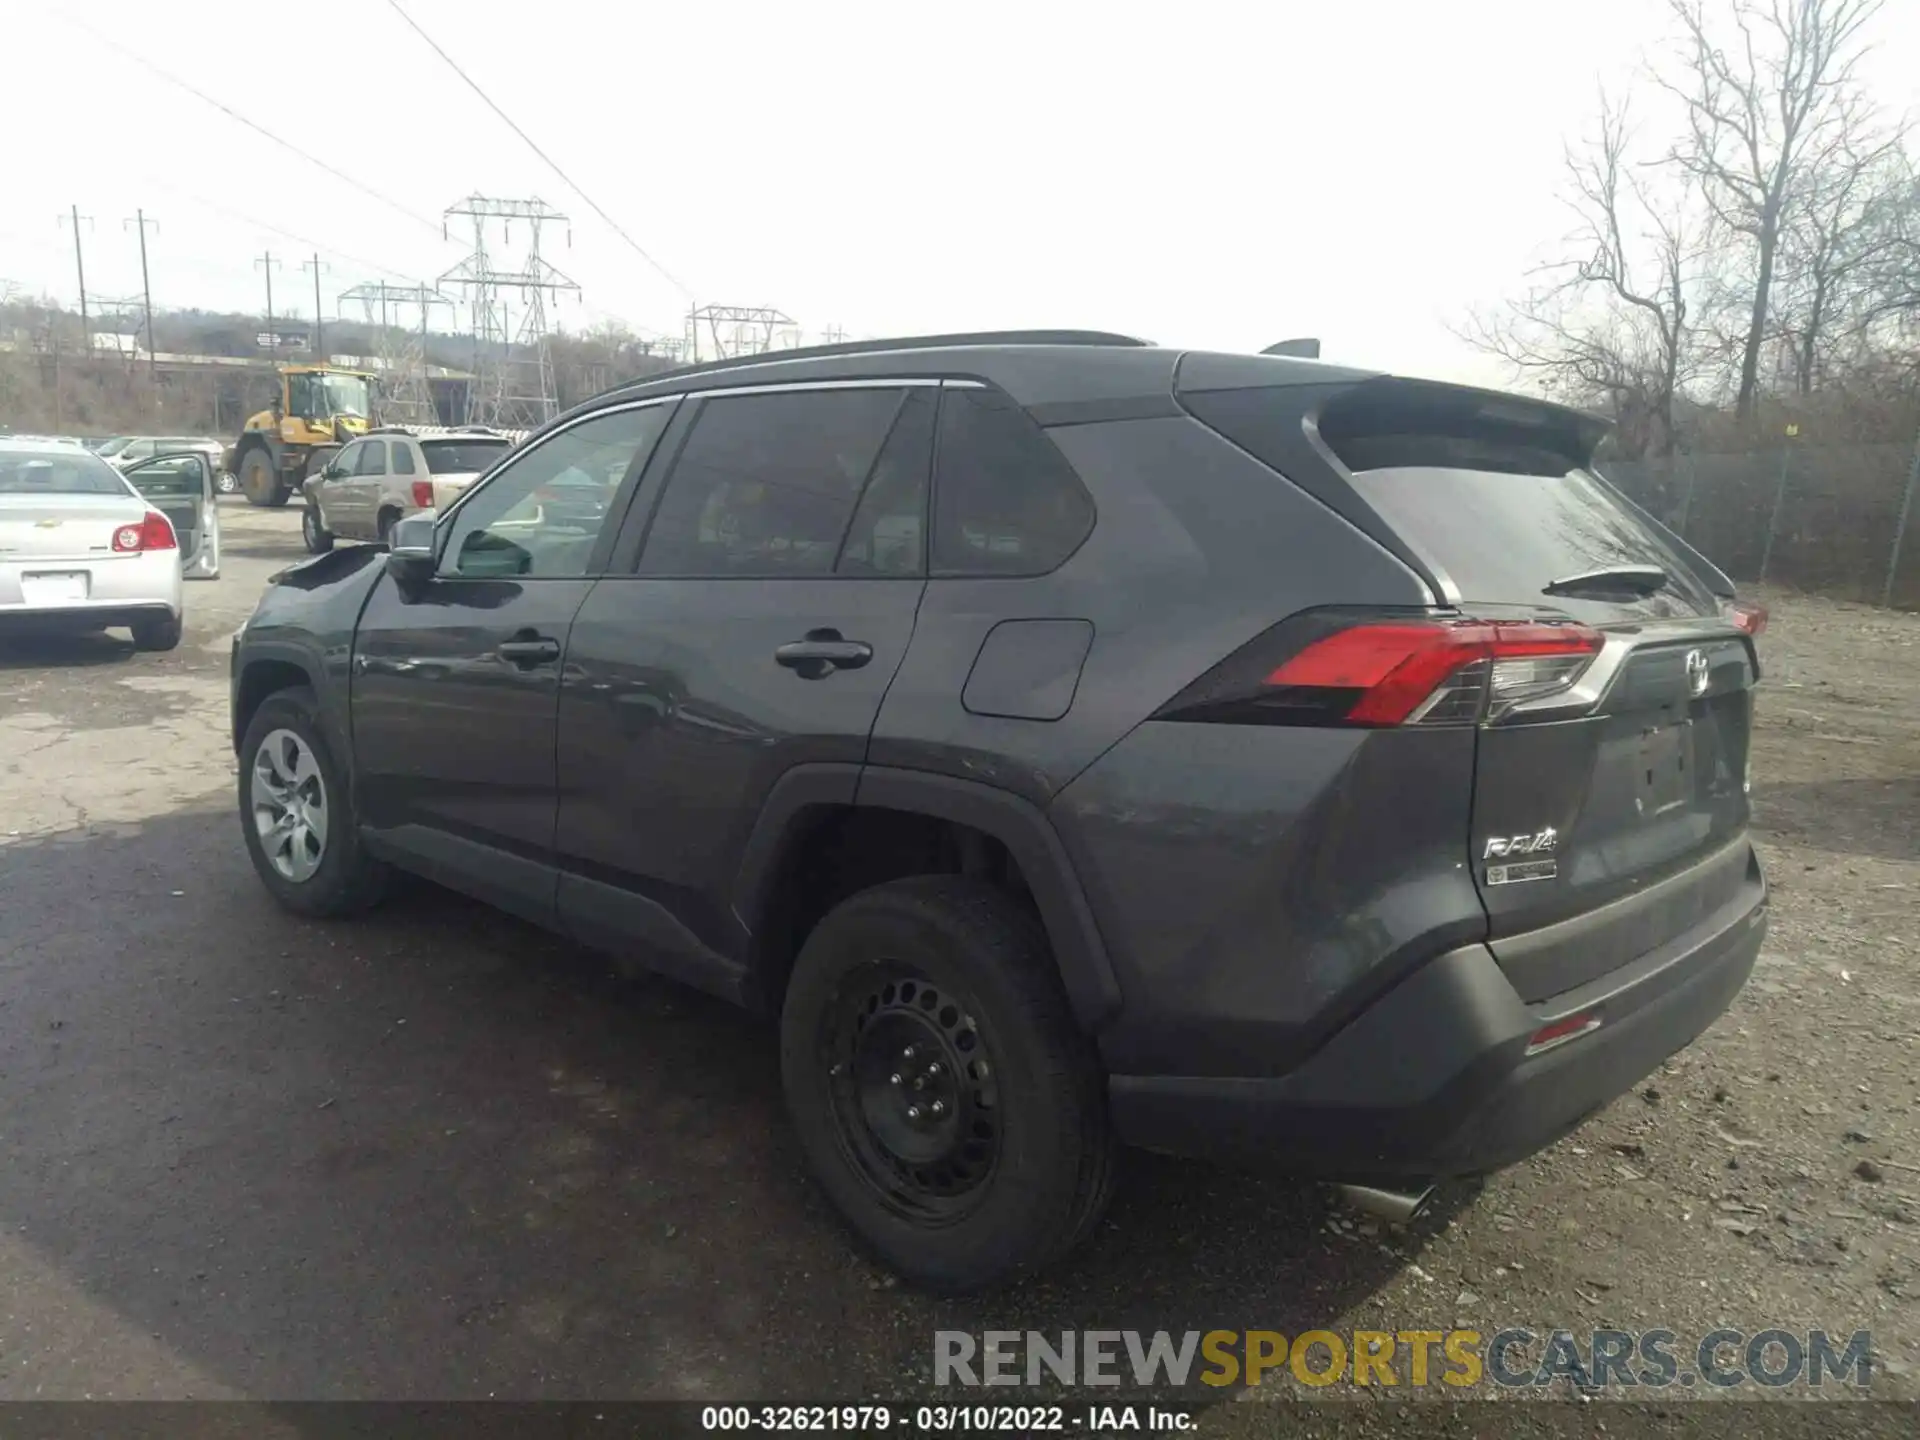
x,y
118,590
80,618
1433,1080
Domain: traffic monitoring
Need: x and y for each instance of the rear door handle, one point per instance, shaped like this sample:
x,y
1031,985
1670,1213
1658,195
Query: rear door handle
x,y
821,653
533,651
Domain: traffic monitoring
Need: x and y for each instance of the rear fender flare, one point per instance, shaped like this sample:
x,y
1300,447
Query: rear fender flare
x,y
1086,972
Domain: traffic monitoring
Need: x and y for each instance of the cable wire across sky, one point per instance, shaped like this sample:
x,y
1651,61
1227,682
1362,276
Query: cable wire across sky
x,y
232,114
545,159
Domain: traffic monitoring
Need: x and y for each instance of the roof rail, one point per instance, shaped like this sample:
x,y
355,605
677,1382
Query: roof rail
x,y
903,342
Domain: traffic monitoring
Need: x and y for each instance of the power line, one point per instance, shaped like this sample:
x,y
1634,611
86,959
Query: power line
x,y
282,231
233,114
547,160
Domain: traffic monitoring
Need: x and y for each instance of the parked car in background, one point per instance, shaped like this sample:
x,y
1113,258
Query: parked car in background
x,y
133,449
82,548
183,487
395,471
62,440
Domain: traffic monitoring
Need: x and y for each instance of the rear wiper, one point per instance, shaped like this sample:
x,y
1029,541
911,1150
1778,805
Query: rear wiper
x,y
1632,579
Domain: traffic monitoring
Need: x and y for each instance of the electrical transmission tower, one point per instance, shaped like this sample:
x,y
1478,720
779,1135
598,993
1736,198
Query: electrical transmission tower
x,y
732,330
406,394
509,389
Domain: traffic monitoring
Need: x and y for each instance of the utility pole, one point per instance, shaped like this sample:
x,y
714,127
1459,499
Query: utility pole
x,y
319,325
80,265
266,262
141,222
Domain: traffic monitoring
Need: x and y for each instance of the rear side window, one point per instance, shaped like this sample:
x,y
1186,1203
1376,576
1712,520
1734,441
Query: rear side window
x,y
767,485
1006,502
373,458
402,457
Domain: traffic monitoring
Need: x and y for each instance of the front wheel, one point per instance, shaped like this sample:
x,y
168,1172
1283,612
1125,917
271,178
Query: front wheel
x,y
317,538
261,481
227,483
296,813
943,1096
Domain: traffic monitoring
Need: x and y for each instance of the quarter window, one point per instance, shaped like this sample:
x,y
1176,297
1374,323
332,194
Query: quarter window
x,y
373,458
1006,502
402,457
767,485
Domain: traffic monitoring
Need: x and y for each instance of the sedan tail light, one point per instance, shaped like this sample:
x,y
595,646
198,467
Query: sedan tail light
x,y
155,532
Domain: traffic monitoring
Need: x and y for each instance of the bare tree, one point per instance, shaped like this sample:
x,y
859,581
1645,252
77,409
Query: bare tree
x,y
1611,321
1765,110
1839,251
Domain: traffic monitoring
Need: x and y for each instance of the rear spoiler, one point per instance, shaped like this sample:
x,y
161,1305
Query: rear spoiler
x,y
1306,349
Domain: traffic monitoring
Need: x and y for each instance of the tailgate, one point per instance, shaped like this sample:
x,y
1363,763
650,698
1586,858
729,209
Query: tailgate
x,y
1601,837
1610,805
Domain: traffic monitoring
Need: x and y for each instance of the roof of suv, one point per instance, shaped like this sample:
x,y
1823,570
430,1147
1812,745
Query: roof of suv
x,y
1061,374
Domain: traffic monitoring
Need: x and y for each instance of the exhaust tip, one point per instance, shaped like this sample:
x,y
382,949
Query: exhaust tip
x,y
1397,1207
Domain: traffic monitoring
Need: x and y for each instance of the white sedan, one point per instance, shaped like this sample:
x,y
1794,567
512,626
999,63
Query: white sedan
x,y
81,548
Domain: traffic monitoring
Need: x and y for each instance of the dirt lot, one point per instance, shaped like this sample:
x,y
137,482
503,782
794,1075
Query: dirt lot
x,y
437,1154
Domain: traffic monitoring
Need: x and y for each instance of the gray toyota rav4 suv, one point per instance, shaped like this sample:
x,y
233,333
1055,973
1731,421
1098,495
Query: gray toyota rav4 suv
x,y
1072,742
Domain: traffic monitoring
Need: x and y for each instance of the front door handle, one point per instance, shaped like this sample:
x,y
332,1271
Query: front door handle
x,y
821,653
529,650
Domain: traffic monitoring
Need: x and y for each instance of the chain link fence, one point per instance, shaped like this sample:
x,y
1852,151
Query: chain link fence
x,y
1830,520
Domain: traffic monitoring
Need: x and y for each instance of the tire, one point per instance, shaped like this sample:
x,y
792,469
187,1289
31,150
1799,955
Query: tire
x,y
162,633
260,480
1019,1170
315,536
226,483
384,524
342,879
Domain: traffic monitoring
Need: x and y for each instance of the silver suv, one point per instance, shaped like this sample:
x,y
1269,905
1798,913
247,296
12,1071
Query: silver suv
x,y
392,472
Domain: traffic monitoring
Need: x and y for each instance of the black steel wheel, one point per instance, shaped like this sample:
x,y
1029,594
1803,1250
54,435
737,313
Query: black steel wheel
x,y
914,1090
943,1095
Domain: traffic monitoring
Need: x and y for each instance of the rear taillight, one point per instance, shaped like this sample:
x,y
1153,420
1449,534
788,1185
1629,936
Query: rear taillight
x,y
423,494
1747,615
153,533
1394,672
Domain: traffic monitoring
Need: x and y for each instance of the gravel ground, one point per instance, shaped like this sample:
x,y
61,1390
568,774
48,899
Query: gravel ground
x,y
435,1154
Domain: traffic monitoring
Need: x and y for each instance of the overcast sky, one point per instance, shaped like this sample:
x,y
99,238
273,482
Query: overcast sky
x,y
1203,174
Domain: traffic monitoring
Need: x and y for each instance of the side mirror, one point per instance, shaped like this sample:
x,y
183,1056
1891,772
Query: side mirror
x,y
410,556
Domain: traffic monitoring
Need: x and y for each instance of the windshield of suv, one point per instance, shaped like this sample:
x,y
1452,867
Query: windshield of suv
x,y
461,457
36,472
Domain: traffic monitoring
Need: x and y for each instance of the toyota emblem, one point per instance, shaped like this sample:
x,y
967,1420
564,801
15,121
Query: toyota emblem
x,y
1699,672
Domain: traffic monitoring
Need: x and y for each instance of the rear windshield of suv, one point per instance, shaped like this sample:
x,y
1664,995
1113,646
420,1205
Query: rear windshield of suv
x,y
1495,492
461,457
1504,535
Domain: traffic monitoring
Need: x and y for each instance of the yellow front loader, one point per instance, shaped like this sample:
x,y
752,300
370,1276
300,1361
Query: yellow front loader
x,y
317,410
